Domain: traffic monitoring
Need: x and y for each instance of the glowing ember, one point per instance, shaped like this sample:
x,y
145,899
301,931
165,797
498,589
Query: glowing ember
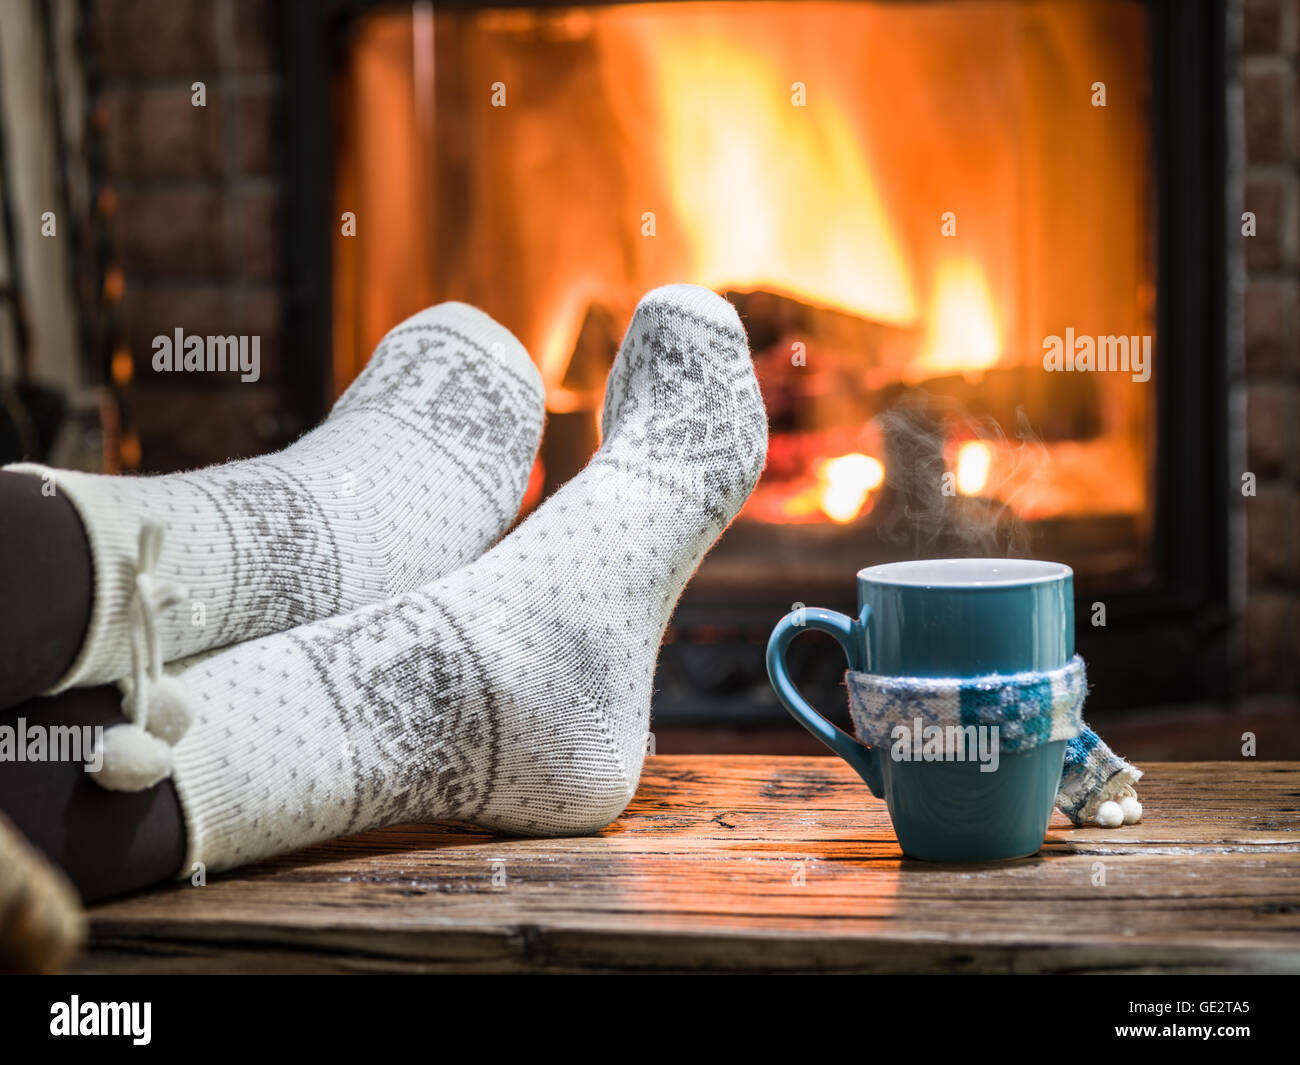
x,y
973,462
846,483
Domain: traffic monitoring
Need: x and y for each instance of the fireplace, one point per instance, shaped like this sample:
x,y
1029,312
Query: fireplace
x,y
918,210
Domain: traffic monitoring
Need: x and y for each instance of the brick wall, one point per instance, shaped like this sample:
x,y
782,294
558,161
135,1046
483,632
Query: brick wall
x,y
194,224
1271,106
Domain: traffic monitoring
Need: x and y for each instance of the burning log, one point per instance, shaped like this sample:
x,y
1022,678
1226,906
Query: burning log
x,y
571,434
853,423
850,369
819,366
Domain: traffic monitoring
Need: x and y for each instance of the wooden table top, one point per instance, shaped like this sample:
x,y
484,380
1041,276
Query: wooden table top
x,y
756,864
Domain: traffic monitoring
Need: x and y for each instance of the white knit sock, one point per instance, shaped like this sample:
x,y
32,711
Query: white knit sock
x,y
514,693
418,469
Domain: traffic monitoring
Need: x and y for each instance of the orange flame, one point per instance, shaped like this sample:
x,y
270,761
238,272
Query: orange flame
x,y
846,483
829,191
963,325
974,460
772,194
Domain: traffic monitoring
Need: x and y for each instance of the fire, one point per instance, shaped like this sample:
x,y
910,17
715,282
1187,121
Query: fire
x,y
757,188
974,460
806,154
963,325
771,194
846,484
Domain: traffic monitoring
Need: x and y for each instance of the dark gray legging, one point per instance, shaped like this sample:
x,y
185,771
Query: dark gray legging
x,y
107,842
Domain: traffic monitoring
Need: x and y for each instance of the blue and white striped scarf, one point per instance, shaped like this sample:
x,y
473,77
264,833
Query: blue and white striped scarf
x,y
1028,709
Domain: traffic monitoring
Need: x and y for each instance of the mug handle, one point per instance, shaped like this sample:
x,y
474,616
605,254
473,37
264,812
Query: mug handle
x,y
850,634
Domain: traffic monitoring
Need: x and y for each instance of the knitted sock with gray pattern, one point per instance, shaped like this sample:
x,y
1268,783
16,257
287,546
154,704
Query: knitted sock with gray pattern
x,y
418,469
515,692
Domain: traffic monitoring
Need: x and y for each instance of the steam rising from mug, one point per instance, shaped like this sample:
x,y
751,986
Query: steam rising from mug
x,y
916,512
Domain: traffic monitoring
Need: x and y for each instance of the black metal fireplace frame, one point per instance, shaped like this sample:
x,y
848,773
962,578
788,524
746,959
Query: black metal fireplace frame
x,y
1169,641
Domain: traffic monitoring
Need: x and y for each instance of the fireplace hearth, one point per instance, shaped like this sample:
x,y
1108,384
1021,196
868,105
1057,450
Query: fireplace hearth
x,y
914,207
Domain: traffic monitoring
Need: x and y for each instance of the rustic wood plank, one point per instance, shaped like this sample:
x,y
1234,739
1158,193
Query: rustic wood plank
x,y
747,863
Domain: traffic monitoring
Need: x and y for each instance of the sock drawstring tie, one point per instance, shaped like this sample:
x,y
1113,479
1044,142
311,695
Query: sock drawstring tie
x,y
138,755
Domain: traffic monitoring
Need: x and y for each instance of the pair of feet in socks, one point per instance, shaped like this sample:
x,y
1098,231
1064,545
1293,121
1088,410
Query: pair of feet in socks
x,y
390,670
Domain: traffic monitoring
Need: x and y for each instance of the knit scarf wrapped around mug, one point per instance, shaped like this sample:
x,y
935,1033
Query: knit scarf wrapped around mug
x,y
1028,709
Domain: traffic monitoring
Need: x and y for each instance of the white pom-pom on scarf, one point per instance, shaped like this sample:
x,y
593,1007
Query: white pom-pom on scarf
x,y
1123,809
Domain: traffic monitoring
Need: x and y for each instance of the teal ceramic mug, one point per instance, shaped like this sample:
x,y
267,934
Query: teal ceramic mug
x,y
957,618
